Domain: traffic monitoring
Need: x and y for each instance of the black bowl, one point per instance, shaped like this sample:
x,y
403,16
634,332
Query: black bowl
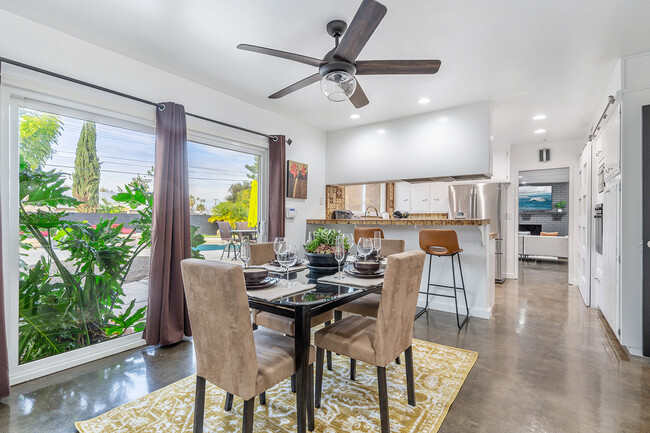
x,y
255,275
326,260
367,266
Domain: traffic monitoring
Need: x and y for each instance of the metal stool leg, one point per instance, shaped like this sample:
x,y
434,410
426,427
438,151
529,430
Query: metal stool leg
x,y
426,306
462,281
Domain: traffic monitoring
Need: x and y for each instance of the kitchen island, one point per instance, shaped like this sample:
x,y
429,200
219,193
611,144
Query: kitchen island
x,y
477,257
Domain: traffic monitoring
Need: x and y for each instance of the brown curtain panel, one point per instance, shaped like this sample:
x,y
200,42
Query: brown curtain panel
x,y
277,185
167,319
4,359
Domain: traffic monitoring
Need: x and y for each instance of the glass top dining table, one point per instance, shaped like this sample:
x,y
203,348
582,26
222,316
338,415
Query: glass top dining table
x,y
301,307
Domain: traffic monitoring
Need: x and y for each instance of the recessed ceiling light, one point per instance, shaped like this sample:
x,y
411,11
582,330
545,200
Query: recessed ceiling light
x,y
540,131
354,116
381,131
539,117
424,100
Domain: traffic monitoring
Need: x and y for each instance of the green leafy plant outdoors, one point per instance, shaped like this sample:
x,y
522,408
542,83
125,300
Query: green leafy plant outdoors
x,y
76,302
39,133
85,179
323,240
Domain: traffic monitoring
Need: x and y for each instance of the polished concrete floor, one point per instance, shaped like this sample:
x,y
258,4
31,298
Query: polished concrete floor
x,y
546,364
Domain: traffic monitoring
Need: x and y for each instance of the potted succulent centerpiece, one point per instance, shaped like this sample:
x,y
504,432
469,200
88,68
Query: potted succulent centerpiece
x,y
320,251
560,205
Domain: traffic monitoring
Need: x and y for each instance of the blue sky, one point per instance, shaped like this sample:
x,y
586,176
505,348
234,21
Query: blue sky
x,y
124,154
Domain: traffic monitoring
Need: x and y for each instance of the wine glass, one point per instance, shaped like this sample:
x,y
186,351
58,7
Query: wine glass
x,y
376,242
287,257
339,254
349,237
278,244
364,247
245,251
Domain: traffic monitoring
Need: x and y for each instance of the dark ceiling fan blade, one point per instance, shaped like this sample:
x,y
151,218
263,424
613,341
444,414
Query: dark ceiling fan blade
x,y
282,54
386,67
359,98
363,25
296,86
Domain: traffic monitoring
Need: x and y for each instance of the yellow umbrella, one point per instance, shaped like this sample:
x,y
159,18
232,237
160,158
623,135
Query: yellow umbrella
x,y
252,206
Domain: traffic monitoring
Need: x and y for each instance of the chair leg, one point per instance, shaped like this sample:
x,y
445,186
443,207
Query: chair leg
x,y
223,252
329,353
462,281
199,404
353,369
338,315
319,374
228,405
383,399
398,361
293,383
263,399
249,411
310,399
410,383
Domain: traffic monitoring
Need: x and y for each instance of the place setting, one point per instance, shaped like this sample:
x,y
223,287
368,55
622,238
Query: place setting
x,y
365,270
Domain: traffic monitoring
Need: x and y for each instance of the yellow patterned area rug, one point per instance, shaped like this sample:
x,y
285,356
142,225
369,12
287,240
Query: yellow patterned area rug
x,y
347,406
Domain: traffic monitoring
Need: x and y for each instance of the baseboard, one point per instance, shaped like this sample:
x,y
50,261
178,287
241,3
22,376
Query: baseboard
x,y
511,276
636,351
480,313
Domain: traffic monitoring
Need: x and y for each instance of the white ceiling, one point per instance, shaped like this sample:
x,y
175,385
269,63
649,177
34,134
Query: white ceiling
x,y
551,175
528,57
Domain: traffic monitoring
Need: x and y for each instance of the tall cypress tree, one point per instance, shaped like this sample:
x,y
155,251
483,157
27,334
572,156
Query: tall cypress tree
x,y
85,179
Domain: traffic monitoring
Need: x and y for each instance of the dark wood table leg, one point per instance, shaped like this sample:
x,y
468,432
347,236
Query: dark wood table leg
x,y
302,342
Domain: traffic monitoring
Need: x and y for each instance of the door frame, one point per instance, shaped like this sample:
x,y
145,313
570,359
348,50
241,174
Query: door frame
x,y
645,168
587,153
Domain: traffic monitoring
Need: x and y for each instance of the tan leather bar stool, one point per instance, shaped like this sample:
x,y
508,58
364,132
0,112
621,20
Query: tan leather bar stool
x,y
366,232
443,243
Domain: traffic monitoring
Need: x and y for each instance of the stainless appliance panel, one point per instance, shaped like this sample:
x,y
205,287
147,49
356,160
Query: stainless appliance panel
x,y
598,223
460,201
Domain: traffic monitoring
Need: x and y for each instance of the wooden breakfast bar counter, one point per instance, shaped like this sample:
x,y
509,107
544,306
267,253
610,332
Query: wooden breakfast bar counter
x,y
477,257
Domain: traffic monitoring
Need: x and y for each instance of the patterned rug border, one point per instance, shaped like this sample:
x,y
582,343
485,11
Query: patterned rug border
x,y
81,425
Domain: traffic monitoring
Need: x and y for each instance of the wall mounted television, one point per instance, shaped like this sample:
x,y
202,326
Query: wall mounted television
x,y
535,197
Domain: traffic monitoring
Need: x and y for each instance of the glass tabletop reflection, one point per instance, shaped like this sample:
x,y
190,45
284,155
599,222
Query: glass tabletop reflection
x,y
321,293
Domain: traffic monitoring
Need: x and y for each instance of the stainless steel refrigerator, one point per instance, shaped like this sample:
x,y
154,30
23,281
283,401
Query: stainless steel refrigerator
x,y
482,201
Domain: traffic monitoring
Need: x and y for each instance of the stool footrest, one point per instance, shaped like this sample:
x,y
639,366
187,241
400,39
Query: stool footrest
x,y
446,287
437,294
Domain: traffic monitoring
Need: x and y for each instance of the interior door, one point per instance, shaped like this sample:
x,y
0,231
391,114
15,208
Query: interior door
x,y
584,225
646,230
611,276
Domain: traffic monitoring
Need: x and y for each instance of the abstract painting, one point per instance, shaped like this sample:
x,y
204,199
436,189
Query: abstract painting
x,y
296,179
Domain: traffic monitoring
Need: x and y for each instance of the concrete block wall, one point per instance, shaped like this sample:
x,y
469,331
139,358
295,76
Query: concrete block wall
x,y
550,220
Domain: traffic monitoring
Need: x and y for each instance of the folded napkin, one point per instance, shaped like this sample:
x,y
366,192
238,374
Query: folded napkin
x,y
279,290
349,280
280,269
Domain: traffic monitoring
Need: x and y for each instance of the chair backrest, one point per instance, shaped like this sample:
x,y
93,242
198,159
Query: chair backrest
x,y
224,228
262,253
224,345
439,239
366,232
548,233
399,298
391,246
242,225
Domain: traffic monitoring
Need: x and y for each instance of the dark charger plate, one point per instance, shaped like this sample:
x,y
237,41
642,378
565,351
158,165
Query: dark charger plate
x,y
266,282
358,274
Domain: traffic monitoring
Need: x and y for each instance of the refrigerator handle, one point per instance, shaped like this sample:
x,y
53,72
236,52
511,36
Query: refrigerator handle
x,y
472,203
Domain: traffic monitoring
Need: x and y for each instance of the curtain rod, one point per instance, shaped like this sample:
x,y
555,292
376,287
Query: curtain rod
x,y
125,95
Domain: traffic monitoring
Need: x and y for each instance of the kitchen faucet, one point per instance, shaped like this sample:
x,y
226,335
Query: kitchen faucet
x,y
365,215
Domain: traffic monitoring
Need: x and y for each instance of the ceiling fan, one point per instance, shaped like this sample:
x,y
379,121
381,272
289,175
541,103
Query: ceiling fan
x,y
337,70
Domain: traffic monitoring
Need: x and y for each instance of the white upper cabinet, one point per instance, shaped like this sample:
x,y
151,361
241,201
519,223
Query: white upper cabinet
x,y
610,138
403,196
439,197
421,197
501,165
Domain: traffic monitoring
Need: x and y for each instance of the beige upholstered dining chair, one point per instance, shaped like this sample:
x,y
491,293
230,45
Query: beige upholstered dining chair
x,y
261,253
366,232
391,246
228,353
379,341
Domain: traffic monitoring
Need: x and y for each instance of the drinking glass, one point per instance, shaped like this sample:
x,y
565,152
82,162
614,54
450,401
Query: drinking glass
x,y
287,257
278,243
310,237
350,238
339,254
245,251
376,242
364,247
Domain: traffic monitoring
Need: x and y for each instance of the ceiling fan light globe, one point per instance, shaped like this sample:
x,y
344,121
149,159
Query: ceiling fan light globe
x,y
338,86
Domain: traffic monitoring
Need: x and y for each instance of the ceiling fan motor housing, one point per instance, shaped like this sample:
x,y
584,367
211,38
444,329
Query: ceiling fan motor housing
x,y
336,65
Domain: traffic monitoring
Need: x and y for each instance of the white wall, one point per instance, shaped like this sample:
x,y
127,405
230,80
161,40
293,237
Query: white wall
x,y
526,157
34,44
449,142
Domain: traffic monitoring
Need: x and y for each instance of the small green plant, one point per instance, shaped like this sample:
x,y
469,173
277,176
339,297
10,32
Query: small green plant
x,y
324,241
560,204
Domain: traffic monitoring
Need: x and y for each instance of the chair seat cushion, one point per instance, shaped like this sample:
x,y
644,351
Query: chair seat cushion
x,y
287,325
276,359
352,337
365,306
